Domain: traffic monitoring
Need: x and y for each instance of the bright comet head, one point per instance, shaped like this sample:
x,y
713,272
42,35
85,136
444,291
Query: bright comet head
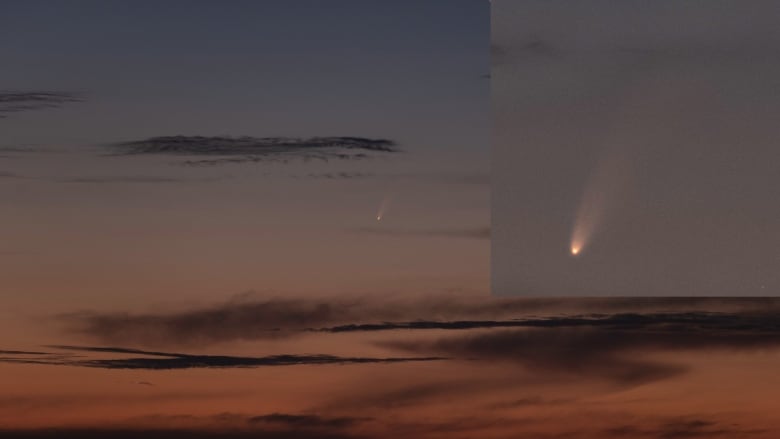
x,y
575,250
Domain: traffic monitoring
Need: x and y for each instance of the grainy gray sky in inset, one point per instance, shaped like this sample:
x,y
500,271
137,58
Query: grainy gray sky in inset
x,y
642,136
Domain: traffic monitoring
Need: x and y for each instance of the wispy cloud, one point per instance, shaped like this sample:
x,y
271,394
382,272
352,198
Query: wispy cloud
x,y
2,352
251,319
685,321
216,150
19,101
615,348
165,361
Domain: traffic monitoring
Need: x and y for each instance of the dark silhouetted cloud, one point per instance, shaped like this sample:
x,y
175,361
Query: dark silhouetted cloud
x,y
551,352
225,150
246,319
166,360
14,102
687,321
612,348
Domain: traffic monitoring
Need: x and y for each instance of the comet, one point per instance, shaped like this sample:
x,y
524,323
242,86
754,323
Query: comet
x,y
604,190
384,206
610,182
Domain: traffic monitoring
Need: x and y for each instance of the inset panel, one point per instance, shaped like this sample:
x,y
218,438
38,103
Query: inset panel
x,y
636,148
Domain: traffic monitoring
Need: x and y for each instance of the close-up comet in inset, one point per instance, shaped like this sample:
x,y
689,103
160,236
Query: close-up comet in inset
x,y
612,175
603,191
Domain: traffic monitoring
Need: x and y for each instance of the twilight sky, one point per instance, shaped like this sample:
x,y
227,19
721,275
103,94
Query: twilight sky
x,y
98,211
641,136
191,249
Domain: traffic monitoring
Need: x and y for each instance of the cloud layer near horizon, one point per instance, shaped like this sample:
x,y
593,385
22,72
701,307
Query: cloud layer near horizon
x,y
252,319
307,426
528,345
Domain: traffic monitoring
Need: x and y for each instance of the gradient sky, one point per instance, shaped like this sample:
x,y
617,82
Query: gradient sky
x,y
213,293
86,228
649,128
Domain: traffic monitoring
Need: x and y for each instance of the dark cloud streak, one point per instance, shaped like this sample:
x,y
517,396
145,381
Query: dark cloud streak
x,y
271,318
167,361
615,349
684,322
15,102
226,150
